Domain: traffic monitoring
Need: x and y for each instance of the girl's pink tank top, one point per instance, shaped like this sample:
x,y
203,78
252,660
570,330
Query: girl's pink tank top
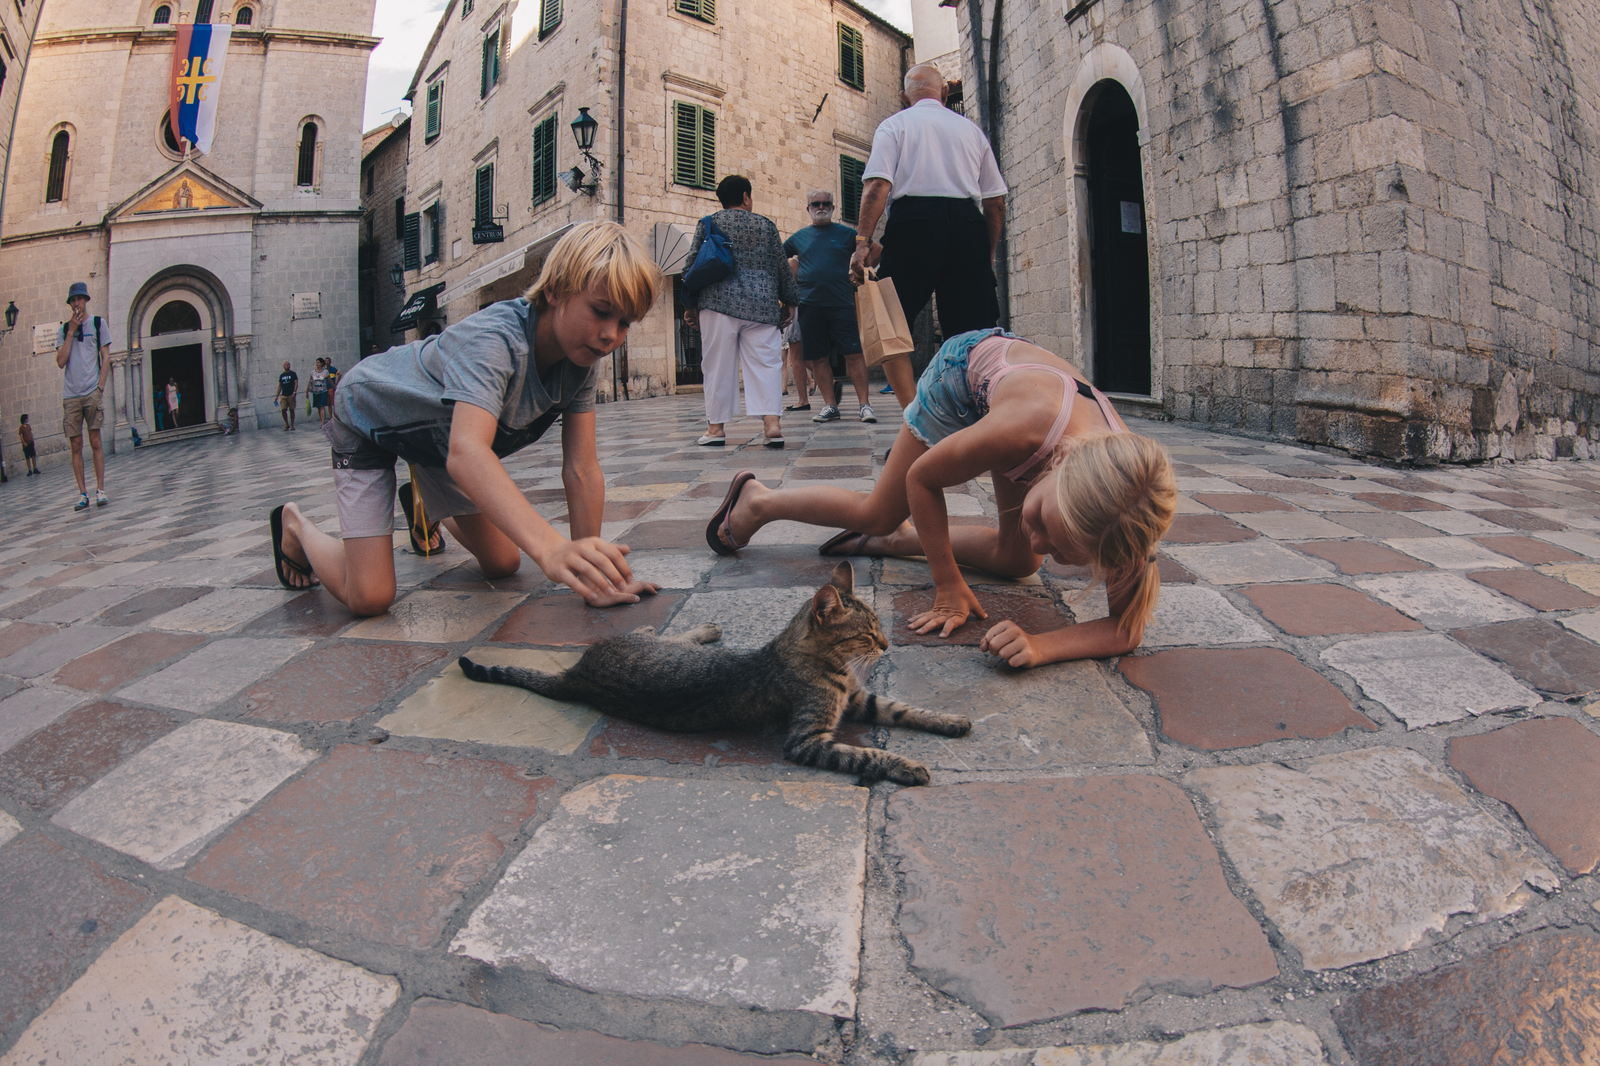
x,y
987,365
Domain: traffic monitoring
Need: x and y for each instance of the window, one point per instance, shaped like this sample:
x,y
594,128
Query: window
x,y
2,75
306,172
430,233
704,10
162,16
850,170
852,57
466,8
544,160
435,119
245,17
202,11
483,214
168,138
491,62
177,316
411,227
369,180
55,189
549,17
400,219
694,146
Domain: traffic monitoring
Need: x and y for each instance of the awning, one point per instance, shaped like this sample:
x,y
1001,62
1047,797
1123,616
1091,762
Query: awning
x,y
672,246
422,302
505,266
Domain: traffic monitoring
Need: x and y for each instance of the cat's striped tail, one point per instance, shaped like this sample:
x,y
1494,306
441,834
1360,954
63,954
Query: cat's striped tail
x,y
532,680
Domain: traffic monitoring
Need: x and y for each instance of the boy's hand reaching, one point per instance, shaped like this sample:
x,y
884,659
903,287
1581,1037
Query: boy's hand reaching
x,y
950,610
598,571
1012,643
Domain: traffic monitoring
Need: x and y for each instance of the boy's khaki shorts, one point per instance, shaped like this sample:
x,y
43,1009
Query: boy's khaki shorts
x,y
78,410
364,486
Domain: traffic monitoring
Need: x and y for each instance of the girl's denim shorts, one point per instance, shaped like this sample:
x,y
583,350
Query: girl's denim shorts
x,y
944,402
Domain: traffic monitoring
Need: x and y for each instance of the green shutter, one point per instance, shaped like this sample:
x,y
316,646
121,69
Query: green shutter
x,y
491,63
435,110
549,17
850,170
704,10
466,8
694,146
413,241
852,57
485,196
544,160
708,149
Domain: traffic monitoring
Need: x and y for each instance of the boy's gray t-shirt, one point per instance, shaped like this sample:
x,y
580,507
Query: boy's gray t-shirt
x,y
402,399
83,358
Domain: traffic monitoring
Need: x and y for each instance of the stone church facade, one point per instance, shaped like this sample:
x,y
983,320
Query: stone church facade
x,y
210,269
1372,227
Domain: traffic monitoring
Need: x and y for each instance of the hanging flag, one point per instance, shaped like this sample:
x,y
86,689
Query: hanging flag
x,y
196,80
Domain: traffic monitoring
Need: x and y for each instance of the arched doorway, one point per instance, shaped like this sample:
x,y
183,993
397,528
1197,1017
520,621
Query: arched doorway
x,y
1119,256
176,334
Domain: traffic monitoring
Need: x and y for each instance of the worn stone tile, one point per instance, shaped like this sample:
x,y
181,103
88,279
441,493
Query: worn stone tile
x,y
170,990
31,709
1215,698
22,602
645,492
129,573
1528,550
1443,600
56,913
9,828
1206,529
563,619
1513,519
1532,1002
1545,770
1042,898
1587,624
1585,576
452,707
749,617
215,672
220,611
339,682
1051,716
1426,678
1296,526
1249,563
83,605
1035,614
66,574
438,617
52,650
14,636
1241,502
311,850
310,614
1262,1044
668,533
788,566
915,571
165,804
122,660
1191,615
1539,591
65,757
1362,854
1541,653
1382,526
1453,553
1457,523
1307,610
440,1033
672,569
141,608
619,739
1582,543
1399,501
747,896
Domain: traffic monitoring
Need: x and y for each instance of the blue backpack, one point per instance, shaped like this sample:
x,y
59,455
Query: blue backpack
x,y
713,263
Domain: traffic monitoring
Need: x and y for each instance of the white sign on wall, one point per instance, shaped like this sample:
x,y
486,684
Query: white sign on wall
x,y
44,337
307,304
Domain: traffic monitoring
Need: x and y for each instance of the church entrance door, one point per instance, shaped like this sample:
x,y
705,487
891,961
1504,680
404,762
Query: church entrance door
x,y
1119,259
182,365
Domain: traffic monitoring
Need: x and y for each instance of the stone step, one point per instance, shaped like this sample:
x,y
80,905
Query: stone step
x,y
172,436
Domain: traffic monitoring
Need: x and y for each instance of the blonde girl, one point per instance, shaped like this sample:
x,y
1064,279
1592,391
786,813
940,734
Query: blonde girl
x,y
1070,481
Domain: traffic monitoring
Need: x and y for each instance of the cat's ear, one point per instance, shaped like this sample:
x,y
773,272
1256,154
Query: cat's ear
x,y
826,606
844,578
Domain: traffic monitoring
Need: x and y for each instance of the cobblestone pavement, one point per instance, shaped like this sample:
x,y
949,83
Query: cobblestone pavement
x,y
1342,806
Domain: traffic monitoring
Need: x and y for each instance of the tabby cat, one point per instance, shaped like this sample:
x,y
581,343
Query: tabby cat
x,y
803,680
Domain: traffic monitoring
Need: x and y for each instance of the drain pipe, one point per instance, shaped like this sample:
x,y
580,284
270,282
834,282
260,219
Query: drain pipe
x,y
619,359
1002,251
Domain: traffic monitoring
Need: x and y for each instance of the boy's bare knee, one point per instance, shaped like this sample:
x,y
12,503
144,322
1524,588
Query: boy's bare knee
x,y
367,603
501,564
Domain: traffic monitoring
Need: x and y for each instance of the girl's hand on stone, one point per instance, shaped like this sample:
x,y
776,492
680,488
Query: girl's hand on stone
x,y
1012,643
950,611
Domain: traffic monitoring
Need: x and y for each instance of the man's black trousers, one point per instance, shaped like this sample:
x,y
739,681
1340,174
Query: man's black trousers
x,y
941,244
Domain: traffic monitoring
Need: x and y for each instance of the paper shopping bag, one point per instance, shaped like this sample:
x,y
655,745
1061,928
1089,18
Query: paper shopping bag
x,y
885,333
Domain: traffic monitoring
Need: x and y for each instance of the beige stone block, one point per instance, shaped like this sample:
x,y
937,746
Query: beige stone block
x,y
452,707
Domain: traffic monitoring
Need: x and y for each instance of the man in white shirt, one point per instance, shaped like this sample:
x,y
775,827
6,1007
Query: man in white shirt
x,y
947,206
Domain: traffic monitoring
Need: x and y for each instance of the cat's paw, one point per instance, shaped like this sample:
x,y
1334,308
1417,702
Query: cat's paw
x,y
954,725
906,772
704,633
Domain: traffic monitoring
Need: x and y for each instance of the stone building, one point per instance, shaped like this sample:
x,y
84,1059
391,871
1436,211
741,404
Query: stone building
x,y
211,269
1372,227
686,92
383,199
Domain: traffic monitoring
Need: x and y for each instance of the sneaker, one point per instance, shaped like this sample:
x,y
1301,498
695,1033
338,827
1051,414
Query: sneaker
x,y
829,413
867,415
83,502
100,498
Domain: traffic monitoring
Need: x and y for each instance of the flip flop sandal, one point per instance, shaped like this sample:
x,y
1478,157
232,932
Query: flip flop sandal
x,y
718,526
773,442
280,560
839,540
407,503
798,407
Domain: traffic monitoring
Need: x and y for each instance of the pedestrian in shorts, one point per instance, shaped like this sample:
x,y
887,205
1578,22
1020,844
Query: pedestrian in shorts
x,y
83,350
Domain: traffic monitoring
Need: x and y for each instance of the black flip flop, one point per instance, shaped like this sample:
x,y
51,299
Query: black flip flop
x,y
279,560
799,407
838,539
420,547
719,521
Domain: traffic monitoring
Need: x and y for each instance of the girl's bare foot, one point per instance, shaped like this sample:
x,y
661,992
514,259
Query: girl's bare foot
x,y
903,541
744,519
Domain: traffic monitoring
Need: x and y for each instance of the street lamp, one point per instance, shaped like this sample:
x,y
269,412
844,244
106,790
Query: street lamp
x,y
583,131
11,318
397,277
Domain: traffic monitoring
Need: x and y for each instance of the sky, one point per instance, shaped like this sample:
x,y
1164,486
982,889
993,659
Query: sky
x,y
406,25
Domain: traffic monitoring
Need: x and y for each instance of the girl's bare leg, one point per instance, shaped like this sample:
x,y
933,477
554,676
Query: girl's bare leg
x,y
358,572
1003,552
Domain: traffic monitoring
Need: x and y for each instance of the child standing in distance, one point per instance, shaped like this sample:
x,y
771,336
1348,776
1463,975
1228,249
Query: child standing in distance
x,y
453,405
29,456
1070,480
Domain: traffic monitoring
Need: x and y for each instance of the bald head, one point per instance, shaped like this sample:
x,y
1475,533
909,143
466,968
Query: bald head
x,y
924,82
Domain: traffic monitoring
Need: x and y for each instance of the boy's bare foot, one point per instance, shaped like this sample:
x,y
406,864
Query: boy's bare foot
x,y
294,551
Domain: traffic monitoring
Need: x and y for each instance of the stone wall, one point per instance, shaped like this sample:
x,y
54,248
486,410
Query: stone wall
x,y
386,163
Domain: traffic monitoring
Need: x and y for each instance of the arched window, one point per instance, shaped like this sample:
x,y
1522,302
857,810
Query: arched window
x,y
56,188
244,18
163,15
306,173
169,138
176,317
202,11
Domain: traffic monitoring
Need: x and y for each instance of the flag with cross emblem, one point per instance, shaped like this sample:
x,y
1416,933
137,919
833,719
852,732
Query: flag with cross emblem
x,y
197,80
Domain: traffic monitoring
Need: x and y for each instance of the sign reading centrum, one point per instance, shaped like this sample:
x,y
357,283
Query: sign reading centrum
x,y
488,233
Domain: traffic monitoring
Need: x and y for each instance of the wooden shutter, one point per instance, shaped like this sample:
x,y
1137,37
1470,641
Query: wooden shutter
x,y
852,57
413,241
708,149
850,171
491,63
549,17
202,11
685,145
435,110
544,160
704,10
400,219
485,196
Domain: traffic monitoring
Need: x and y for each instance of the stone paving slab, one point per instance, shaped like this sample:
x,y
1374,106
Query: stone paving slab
x,y
1205,529
1587,624
1265,1044
71,753
1539,591
54,650
1529,1003
1585,576
1306,610
1063,714
1443,600
1248,563
81,606
1033,613
437,616
440,1033
205,678
915,571
1528,550
730,893
165,804
1042,898
123,660
1452,553
1362,854
1297,526
148,605
338,682
749,617
1426,678
618,739
1545,770
562,619
453,707
1541,653
310,614
14,636
188,985
56,912
1572,540
31,709
375,843
1191,615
